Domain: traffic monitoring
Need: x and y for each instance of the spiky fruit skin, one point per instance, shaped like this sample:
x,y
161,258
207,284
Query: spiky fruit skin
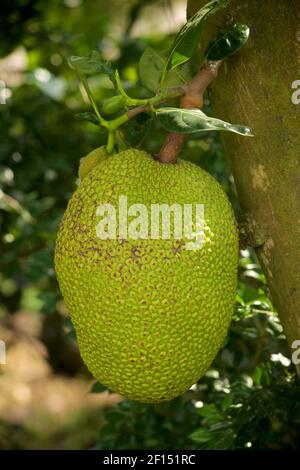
x,y
91,160
149,315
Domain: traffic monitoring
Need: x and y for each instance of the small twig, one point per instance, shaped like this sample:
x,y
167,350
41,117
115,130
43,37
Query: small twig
x,y
192,98
173,93
171,148
135,111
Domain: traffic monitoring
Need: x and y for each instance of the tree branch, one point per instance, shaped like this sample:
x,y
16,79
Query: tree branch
x,y
192,98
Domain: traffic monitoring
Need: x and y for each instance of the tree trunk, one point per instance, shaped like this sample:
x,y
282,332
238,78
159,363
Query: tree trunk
x,y
255,88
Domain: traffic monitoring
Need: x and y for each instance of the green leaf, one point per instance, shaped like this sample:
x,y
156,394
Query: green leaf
x,y
92,64
228,42
226,402
201,436
71,335
187,40
210,414
239,300
151,66
39,265
192,121
49,299
90,117
257,375
223,438
135,131
98,388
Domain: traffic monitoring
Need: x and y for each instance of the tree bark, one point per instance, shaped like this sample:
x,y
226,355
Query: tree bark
x,y
255,88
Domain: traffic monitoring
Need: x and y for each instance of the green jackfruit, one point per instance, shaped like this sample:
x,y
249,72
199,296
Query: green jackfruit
x,y
92,159
150,315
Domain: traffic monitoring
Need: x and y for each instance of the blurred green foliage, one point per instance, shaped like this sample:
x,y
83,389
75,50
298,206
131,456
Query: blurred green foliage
x,y
250,396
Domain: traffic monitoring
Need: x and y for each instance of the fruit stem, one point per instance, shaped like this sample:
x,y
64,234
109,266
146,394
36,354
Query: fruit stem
x,y
117,122
86,86
192,98
110,142
144,106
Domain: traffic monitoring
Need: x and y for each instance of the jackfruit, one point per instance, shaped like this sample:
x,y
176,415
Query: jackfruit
x,y
149,314
92,159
